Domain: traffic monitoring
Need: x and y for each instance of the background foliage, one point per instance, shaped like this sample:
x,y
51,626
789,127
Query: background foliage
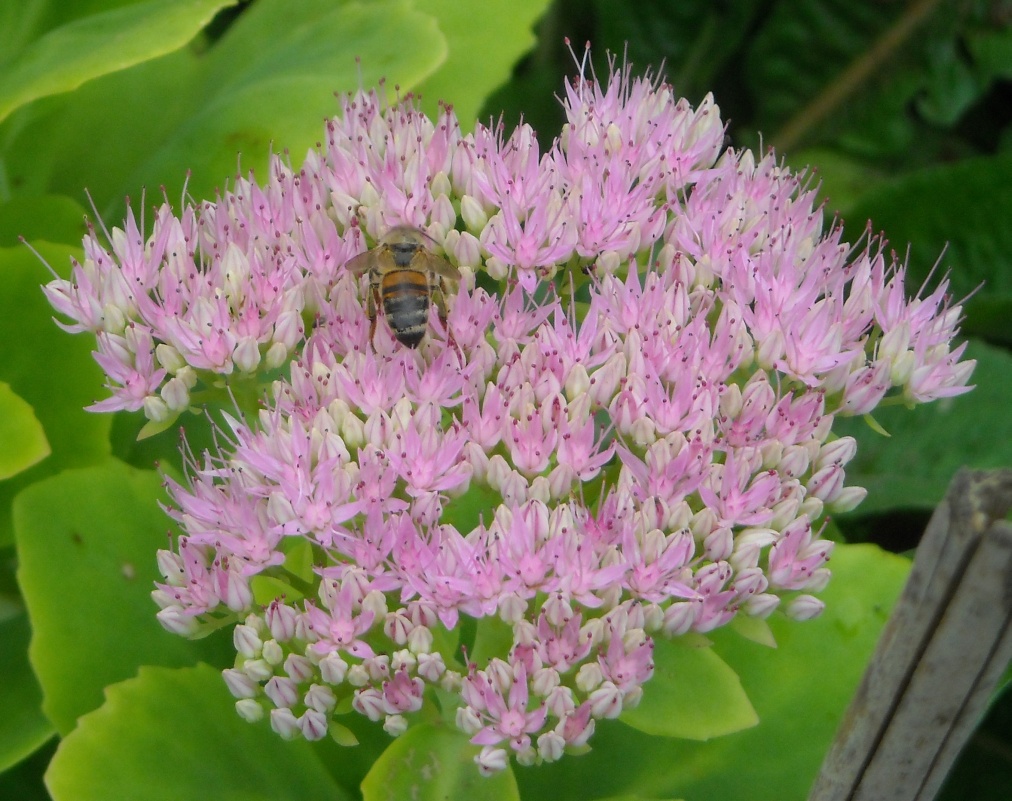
x,y
903,111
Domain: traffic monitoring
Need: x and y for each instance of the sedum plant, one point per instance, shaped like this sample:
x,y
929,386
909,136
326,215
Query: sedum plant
x,y
621,434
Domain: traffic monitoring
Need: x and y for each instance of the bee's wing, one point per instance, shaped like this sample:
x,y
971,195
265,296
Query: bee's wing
x,y
439,265
362,262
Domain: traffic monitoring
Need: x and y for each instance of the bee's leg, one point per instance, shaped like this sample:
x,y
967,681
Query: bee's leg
x,y
371,306
437,293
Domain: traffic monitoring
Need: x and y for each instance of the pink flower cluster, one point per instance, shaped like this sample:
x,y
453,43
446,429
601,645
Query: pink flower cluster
x,y
642,447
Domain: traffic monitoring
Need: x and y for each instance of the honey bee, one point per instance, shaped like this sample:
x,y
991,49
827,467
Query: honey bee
x,y
405,275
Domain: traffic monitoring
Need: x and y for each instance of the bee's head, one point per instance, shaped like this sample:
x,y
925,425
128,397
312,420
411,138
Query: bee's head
x,y
406,236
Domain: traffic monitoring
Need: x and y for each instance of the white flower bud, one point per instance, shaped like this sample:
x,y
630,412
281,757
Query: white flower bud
x,y
333,669
804,607
395,725
491,760
473,214
551,746
299,668
468,720
589,677
321,698
313,724
246,355
284,723
240,684
258,669
249,710
156,410
169,358
246,642
420,640
282,691
277,355
174,619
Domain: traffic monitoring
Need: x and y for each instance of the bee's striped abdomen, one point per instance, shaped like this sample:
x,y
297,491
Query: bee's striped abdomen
x,y
405,296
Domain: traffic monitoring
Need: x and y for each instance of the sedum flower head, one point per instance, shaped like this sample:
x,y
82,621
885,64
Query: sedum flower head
x,y
623,431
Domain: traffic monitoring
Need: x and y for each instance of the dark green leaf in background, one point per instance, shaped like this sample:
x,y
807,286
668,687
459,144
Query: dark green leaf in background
x,y
912,468
692,42
23,727
957,214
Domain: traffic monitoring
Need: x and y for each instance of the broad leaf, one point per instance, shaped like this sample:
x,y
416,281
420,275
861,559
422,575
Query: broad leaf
x,y
51,218
86,541
693,694
432,763
174,734
86,48
479,57
22,440
51,371
268,83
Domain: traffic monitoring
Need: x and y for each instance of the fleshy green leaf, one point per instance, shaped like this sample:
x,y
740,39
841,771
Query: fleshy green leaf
x,y
22,440
693,694
268,83
52,371
86,48
174,734
928,444
754,629
432,763
86,541
799,689
493,638
23,727
466,79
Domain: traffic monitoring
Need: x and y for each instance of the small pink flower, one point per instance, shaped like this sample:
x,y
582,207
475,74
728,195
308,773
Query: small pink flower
x,y
506,714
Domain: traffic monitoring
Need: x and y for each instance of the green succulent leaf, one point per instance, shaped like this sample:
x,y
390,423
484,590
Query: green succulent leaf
x,y
22,440
268,82
86,541
64,58
51,371
175,734
431,763
693,694
465,79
